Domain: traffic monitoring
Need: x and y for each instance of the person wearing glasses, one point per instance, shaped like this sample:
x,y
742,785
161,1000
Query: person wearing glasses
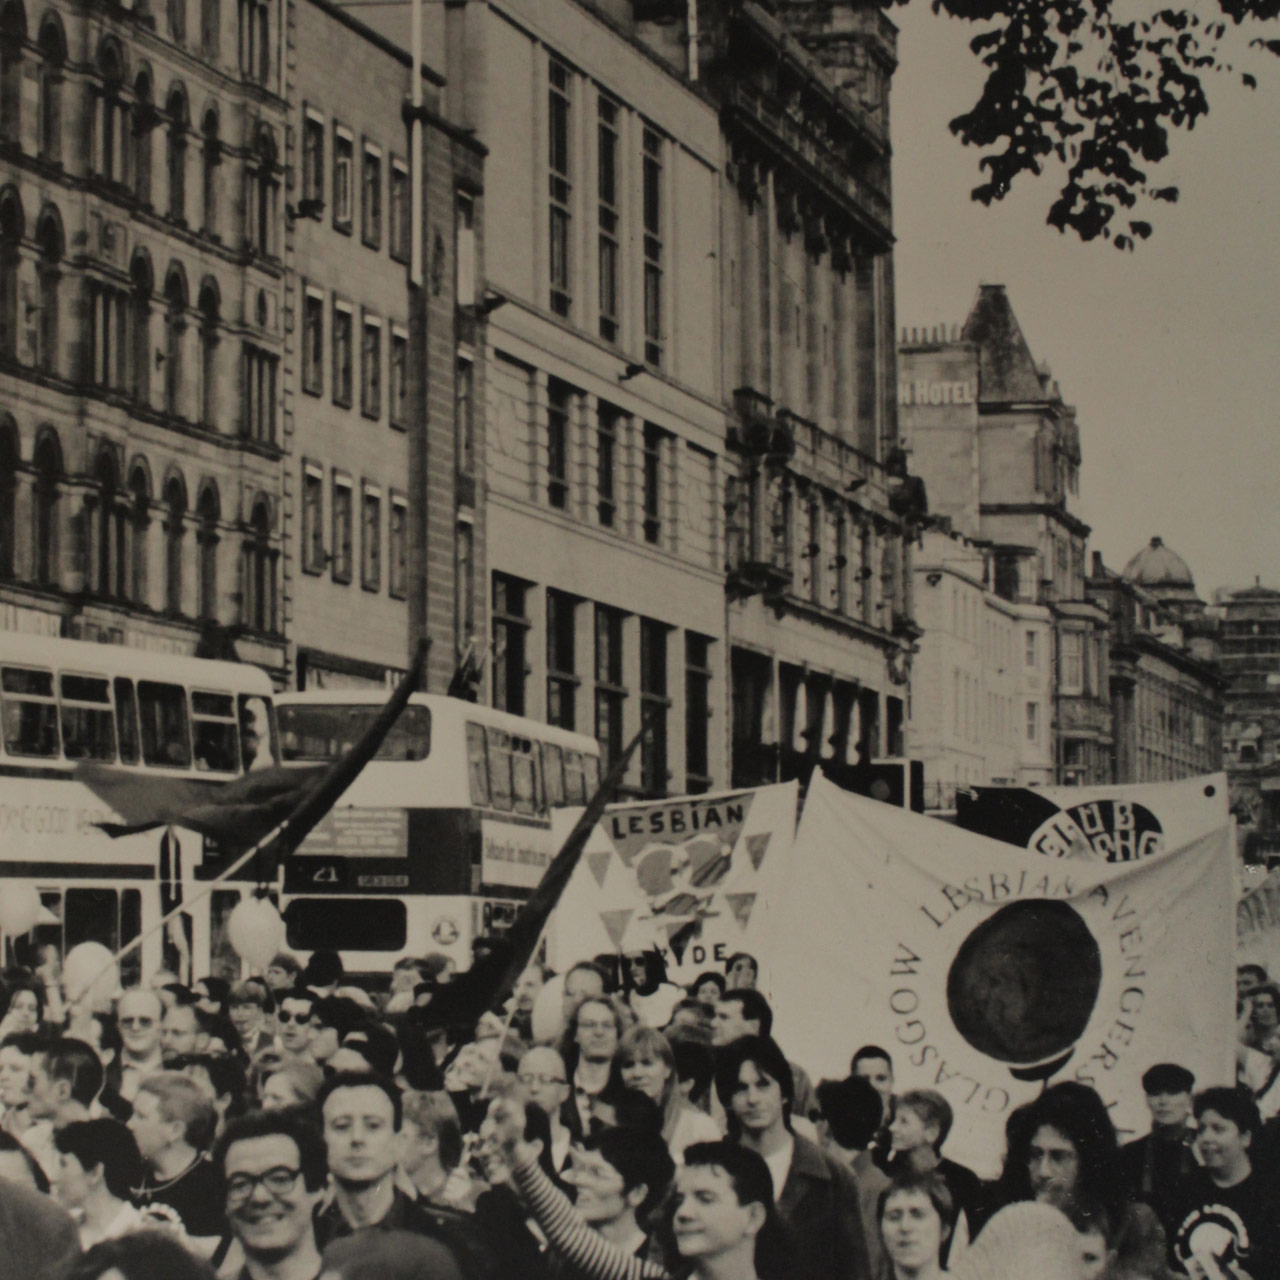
x,y
293,1018
273,1169
138,1015
544,1083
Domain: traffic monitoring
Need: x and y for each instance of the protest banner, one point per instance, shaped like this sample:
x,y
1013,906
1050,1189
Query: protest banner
x,y
988,970
694,877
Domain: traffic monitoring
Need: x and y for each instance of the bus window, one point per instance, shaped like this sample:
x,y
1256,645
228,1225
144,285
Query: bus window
x,y
257,741
553,773
325,731
216,732
574,790
477,769
30,713
524,776
88,723
591,774
126,720
166,740
346,924
499,768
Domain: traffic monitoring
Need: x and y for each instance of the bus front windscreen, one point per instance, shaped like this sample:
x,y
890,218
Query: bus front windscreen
x,y
325,731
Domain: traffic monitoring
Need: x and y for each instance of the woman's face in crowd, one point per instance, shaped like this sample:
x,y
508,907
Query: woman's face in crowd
x,y
647,1073
278,1093
24,1010
245,1018
912,1229
708,992
15,1076
1265,1014
1053,1163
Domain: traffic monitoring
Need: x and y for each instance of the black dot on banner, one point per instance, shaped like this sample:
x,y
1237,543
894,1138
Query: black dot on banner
x,y
1024,983
1211,790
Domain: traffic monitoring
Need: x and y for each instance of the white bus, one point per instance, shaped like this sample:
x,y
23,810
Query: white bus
x,y
164,716
441,836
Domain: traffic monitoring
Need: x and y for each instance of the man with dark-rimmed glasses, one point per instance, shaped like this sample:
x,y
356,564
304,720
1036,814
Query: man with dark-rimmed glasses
x,y
274,1168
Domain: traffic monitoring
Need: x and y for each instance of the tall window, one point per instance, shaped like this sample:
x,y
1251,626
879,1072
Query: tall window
x,y
607,420
510,629
340,375
464,611
464,416
371,196
139,521
109,524
1031,656
208,513
562,679
313,157
259,604
110,117
464,257
45,523
175,515
371,537
653,212
8,497
177,20
264,192
1033,722
211,29
210,158
559,407
176,155
261,371
313,342
611,689
398,546
113,351
313,557
175,326
697,712
254,40
12,37
49,241
607,188
561,186
12,225
654,447
397,383
343,162
342,530
371,367
654,703
53,58
1071,672
398,211
208,367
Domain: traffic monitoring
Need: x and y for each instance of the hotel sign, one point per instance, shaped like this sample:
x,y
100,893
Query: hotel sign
x,y
923,392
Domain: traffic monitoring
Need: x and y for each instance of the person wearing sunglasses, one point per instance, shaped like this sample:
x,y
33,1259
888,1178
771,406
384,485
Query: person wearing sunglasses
x,y
273,1170
293,1018
138,1014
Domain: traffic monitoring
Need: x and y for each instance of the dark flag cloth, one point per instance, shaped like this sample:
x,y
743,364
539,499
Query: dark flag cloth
x,y
241,813
459,1004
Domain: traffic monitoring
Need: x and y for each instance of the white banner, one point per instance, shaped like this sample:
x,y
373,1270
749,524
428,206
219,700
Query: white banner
x,y
695,877
987,970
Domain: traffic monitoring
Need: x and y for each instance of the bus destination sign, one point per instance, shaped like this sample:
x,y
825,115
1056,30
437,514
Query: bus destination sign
x,y
347,832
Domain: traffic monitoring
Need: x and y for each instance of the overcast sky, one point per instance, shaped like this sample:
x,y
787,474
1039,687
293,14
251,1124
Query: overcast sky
x,y
1170,354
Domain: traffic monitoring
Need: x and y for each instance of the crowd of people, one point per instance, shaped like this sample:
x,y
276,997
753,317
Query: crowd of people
x,y
602,1124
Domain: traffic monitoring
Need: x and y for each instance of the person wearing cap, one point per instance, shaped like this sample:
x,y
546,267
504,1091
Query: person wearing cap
x,y
1155,1167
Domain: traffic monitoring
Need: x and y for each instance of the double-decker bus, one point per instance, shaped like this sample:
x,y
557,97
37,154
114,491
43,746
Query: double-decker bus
x,y
441,836
63,702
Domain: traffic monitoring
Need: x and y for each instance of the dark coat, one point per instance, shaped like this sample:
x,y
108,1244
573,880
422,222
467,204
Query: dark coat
x,y
820,1207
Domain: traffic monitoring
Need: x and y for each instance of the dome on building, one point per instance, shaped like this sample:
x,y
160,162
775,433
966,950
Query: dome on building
x,y
1163,572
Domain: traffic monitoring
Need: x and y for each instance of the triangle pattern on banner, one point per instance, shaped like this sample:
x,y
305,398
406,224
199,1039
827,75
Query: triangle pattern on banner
x,y
598,863
756,847
615,923
740,904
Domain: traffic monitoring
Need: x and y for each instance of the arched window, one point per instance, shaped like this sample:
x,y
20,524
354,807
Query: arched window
x,y
207,515
12,226
109,525
176,154
210,156
8,494
175,325
13,35
144,120
47,463
53,59
49,240
111,117
140,330
208,369
259,606
264,187
139,523
175,514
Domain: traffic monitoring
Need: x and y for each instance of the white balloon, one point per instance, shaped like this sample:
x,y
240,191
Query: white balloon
x,y
548,1011
90,973
19,907
256,931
